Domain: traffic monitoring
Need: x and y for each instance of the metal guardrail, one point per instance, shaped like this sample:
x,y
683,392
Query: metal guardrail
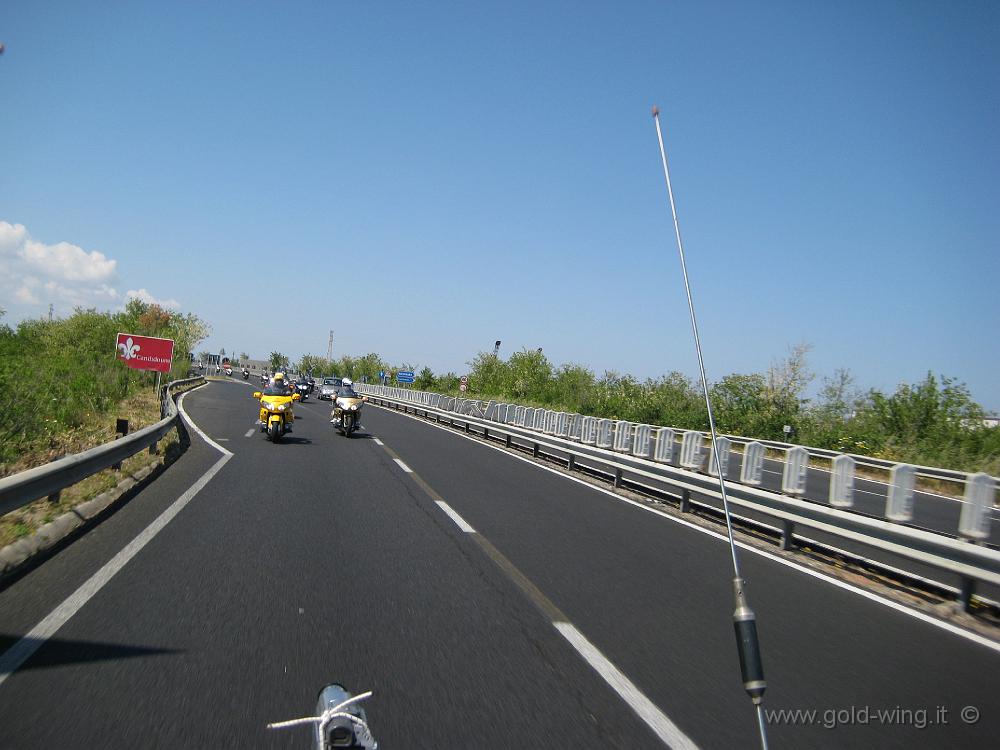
x,y
48,480
649,441
970,561
927,472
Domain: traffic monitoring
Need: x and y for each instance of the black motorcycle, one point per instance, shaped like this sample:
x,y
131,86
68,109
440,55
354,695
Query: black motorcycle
x,y
303,389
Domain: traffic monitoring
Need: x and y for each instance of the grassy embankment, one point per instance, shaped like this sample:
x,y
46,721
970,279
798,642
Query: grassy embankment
x,y
62,390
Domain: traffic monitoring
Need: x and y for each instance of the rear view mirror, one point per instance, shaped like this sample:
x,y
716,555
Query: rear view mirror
x,y
296,397
257,394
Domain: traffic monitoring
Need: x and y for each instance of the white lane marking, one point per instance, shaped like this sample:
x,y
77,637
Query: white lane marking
x,y
250,432
644,708
378,442
196,428
38,635
459,521
403,466
953,629
223,440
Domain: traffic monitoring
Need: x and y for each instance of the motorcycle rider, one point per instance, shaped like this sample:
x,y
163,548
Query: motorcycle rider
x,y
346,390
279,387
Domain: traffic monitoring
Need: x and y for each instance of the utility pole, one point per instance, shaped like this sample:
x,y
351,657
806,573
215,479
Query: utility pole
x,y
329,347
51,306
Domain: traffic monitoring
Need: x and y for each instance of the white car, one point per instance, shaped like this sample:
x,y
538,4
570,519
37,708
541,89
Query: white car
x,y
329,388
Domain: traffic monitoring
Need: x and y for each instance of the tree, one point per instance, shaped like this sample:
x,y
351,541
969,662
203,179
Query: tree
x,y
927,414
425,380
155,320
787,380
571,386
744,405
188,331
838,397
310,363
530,373
369,366
278,361
489,375
448,382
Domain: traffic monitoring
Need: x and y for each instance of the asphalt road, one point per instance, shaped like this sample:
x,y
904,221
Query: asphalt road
x,y
932,512
325,559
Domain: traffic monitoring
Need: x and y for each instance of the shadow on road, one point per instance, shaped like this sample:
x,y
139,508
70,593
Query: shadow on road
x,y
57,651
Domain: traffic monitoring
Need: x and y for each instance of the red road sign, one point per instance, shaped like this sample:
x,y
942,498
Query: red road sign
x,y
145,352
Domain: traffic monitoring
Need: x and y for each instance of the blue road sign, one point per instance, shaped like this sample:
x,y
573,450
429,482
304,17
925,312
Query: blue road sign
x,y
404,377
381,374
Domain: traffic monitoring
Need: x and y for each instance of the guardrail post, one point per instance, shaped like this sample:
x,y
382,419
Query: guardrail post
x,y
974,521
663,452
793,478
842,482
121,428
899,504
618,477
966,593
507,441
534,450
571,462
691,447
685,506
153,450
787,537
54,497
752,467
723,444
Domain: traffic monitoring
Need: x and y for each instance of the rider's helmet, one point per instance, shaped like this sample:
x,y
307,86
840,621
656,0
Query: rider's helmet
x,y
346,382
279,376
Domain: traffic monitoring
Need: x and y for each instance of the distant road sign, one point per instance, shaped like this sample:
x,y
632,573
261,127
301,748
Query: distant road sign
x,y
381,373
404,377
464,379
463,387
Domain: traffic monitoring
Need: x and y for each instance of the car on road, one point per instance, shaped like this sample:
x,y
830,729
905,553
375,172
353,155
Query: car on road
x,y
329,388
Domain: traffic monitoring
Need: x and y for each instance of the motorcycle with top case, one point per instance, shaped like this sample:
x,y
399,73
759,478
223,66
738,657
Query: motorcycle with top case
x,y
276,415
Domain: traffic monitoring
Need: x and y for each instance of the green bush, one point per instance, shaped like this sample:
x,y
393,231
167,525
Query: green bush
x,y
54,374
935,422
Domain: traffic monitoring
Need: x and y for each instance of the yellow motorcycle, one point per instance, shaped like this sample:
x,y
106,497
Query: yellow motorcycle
x,y
276,411
347,412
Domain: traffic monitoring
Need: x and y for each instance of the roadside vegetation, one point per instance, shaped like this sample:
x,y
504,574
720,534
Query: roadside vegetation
x,y
61,386
934,422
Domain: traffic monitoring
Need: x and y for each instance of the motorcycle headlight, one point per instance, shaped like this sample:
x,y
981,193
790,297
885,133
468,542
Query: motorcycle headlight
x,y
354,407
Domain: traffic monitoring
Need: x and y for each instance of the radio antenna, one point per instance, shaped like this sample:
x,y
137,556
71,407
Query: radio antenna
x,y
744,619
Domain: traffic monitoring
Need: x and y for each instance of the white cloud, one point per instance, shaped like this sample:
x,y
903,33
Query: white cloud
x,y
149,299
25,295
69,262
36,273
12,236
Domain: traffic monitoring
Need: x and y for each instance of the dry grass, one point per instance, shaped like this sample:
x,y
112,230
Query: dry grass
x,y
141,409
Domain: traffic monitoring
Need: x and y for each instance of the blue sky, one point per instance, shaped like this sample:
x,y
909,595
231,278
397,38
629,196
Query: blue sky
x,y
427,178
